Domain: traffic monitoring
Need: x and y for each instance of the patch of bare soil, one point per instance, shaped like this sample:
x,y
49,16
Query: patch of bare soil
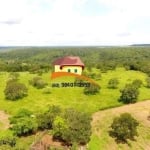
x,y
4,120
47,142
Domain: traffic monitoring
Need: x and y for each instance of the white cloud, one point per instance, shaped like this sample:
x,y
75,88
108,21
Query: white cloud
x,y
54,22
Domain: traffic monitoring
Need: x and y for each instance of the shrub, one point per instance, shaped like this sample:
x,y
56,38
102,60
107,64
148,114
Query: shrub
x,y
47,90
74,127
92,75
113,83
20,114
59,126
124,127
38,82
137,83
15,90
92,89
129,94
45,119
23,123
7,138
96,76
25,126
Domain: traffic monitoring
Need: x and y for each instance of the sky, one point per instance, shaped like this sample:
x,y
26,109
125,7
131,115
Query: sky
x,y
74,22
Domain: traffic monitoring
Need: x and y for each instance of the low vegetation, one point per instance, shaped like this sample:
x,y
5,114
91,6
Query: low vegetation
x,y
137,83
92,89
68,125
73,127
15,90
38,82
124,127
113,83
7,138
129,94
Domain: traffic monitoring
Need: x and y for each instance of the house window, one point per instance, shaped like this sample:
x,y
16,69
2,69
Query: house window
x,y
69,70
75,70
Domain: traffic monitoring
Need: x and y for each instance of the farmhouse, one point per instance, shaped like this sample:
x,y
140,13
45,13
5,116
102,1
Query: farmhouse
x,y
72,64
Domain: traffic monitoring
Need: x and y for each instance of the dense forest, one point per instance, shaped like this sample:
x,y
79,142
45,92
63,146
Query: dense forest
x,y
40,58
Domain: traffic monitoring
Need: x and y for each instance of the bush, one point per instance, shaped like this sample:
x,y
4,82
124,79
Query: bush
x,y
59,126
137,83
15,90
7,138
47,90
25,126
113,83
38,82
124,127
129,94
20,114
92,89
73,127
96,76
92,75
24,123
45,119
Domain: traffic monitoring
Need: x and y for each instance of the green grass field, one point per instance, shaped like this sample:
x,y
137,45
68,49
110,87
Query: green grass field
x,y
72,97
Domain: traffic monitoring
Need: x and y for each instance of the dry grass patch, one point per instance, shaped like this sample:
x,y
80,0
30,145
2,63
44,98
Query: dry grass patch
x,y
4,121
103,119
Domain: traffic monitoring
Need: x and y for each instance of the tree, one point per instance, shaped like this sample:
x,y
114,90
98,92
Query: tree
x,y
15,90
7,138
129,94
113,83
25,126
24,123
74,127
38,82
124,127
45,119
137,83
92,89
59,126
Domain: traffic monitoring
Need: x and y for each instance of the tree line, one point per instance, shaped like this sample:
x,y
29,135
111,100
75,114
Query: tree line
x,y
40,58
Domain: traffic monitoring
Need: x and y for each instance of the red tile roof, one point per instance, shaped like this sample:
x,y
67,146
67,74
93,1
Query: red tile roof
x,y
69,61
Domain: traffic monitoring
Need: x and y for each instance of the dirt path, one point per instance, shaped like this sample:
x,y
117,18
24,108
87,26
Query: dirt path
x,y
4,121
